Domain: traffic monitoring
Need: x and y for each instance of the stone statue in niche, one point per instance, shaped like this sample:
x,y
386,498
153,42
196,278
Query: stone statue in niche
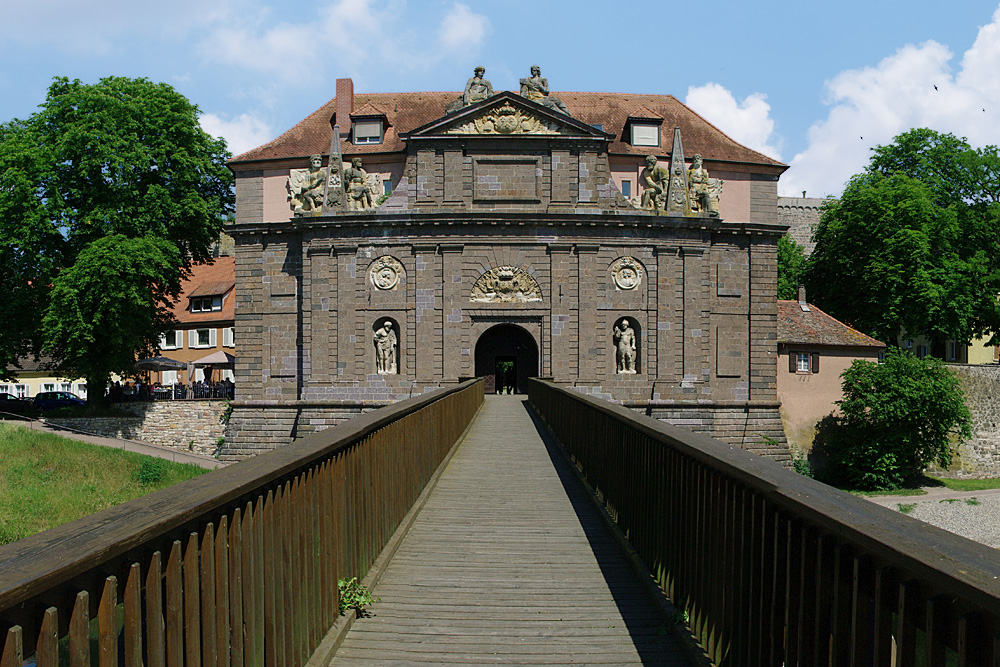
x,y
506,284
385,272
624,338
627,273
385,349
357,188
654,178
477,89
705,191
306,186
536,89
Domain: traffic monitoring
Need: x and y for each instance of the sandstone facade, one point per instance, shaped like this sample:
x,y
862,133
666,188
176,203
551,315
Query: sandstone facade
x,y
516,249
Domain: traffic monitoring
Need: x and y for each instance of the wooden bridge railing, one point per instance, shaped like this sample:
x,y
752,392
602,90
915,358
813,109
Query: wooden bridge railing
x,y
236,567
774,568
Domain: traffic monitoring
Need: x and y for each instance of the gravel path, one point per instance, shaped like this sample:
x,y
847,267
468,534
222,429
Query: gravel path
x,y
972,514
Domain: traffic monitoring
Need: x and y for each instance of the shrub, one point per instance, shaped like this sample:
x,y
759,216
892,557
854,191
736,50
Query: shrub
x,y
896,418
151,471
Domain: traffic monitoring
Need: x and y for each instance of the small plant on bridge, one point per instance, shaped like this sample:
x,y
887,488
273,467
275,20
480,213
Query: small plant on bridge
x,y
354,595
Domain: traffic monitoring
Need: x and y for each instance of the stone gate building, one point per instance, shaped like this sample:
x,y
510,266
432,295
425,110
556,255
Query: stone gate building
x,y
391,244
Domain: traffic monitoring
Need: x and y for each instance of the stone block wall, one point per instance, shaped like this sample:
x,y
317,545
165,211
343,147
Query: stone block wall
x,y
980,456
182,425
801,214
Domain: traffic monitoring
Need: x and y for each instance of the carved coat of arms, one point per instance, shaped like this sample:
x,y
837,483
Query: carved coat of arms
x,y
506,119
506,284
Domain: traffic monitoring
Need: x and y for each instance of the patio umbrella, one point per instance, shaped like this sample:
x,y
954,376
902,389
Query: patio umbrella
x,y
160,364
219,358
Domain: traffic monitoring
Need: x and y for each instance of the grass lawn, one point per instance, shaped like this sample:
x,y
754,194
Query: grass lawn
x,y
969,484
47,480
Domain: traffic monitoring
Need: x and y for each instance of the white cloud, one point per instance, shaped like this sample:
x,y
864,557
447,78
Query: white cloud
x,y
355,37
747,122
462,29
241,133
915,87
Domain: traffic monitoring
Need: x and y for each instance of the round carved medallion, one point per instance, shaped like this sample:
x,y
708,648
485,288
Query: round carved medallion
x,y
626,272
385,272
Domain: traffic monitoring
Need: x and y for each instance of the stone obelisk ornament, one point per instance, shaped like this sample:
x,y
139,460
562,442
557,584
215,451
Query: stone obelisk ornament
x,y
677,188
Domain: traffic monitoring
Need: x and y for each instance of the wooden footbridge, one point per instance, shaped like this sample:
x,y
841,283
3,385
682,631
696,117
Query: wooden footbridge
x,y
556,530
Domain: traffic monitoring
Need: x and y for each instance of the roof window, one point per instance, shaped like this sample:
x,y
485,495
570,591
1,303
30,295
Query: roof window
x,y
645,135
368,132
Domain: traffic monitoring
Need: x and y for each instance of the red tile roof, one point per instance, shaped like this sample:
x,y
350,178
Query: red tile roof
x,y
817,328
208,280
408,111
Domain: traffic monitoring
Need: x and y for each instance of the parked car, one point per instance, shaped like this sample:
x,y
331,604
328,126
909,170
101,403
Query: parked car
x,y
10,403
49,400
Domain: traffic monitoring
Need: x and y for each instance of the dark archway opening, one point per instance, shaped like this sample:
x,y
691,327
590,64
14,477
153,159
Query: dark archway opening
x,y
506,355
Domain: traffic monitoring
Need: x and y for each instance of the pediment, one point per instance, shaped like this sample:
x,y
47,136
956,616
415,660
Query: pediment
x,y
507,114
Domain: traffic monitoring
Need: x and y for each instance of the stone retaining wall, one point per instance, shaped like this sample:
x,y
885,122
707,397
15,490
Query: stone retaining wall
x,y
980,456
182,425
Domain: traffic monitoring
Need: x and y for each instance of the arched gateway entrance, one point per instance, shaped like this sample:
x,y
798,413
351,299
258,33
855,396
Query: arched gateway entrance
x,y
506,355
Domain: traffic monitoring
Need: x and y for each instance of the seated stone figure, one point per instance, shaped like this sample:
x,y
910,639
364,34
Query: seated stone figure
x,y
654,179
704,191
359,196
477,89
306,186
536,89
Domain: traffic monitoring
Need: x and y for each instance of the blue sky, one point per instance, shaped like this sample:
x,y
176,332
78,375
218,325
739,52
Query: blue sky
x,y
813,84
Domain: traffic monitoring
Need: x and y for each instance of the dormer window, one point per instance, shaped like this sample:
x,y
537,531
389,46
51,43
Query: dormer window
x,y
645,135
368,132
206,304
643,128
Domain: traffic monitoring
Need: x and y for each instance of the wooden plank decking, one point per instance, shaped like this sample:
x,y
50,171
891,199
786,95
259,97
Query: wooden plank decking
x,y
509,563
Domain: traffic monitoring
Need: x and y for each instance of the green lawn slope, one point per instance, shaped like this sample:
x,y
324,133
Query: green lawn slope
x,y
47,480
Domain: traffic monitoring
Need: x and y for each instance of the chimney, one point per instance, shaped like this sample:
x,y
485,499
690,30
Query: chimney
x,y
802,299
345,105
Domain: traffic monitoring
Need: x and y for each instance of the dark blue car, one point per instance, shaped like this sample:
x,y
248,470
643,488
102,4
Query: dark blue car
x,y
13,404
49,400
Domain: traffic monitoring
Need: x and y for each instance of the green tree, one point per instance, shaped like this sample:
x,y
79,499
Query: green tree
x,y
122,158
896,418
791,267
912,244
109,306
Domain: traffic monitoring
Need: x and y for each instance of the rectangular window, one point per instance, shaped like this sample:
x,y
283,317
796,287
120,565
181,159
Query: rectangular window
x,y
922,351
66,386
802,362
229,337
368,132
206,304
387,187
627,189
201,338
881,356
21,390
81,390
171,340
168,377
227,374
645,135
4,388
952,351
48,386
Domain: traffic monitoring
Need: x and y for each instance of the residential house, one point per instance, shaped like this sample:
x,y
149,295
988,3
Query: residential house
x,y
205,316
35,376
813,350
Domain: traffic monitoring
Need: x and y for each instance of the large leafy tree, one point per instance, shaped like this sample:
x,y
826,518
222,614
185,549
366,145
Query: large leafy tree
x,y
122,159
914,242
109,306
895,419
791,267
